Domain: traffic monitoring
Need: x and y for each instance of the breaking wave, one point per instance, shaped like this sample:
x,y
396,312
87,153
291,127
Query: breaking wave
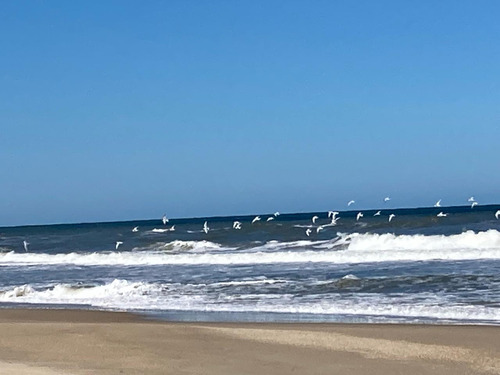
x,y
467,240
351,248
123,294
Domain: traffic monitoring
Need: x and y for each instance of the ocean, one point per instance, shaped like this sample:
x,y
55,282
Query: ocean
x,y
417,268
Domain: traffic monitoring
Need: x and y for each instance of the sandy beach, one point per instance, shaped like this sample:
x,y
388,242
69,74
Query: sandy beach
x,y
48,342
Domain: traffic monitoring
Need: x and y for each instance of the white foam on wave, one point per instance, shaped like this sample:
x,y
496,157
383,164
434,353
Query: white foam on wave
x,y
350,277
396,310
179,246
101,295
18,291
160,230
249,282
192,245
291,245
353,248
467,240
123,294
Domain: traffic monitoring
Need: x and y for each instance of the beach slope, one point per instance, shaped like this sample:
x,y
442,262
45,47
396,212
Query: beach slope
x,y
49,342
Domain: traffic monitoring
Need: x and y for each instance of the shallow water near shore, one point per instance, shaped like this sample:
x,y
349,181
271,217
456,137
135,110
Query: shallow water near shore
x,y
416,268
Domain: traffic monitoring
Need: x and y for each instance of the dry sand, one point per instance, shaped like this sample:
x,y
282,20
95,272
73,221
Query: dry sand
x,y
50,342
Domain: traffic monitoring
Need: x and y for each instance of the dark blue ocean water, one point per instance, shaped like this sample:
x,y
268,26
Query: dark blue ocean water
x,y
416,268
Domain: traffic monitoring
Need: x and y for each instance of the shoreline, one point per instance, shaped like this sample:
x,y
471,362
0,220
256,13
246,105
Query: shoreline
x,y
67,341
239,317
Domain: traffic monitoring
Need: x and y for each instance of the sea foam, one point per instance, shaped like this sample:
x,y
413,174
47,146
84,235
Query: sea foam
x,y
123,294
352,248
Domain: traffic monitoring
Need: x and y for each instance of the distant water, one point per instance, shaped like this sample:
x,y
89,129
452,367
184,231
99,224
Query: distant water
x,y
416,268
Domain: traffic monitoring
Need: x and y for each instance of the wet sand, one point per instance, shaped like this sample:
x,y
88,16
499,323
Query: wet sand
x,y
49,342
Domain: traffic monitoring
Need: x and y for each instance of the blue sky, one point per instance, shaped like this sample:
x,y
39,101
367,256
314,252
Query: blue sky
x,y
123,110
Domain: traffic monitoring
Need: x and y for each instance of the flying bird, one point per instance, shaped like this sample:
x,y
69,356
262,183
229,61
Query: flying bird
x,y
471,199
26,243
205,227
164,219
318,229
387,199
350,202
441,214
270,218
314,218
497,214
308,232
391,216
359,216
438,203
236,225
276,213
118,243
332,214
172,228
473,204
256,218
136,229
377,213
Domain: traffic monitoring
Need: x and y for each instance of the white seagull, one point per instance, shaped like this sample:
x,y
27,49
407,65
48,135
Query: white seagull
x,y
256,218
136,229
236,225
334,220
377,213
321,227
359,216
26,243
441,214
350,202
387,199
473,204
332,214
438,203
277,213
471,199
270,218
172,229
308,232
497,214
314,218
391,216
118,243
205,227
164,219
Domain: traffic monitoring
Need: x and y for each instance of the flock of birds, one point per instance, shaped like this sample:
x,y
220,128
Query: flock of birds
x,y
332,215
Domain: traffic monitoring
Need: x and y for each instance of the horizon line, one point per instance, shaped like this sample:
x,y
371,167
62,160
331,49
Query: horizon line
x,y
217,217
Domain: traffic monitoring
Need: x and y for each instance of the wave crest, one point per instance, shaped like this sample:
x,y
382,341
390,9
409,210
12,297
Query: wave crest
x,y
466,240
123,294
178,245
352,248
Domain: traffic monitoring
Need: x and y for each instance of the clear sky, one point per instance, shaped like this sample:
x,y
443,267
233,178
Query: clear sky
x,y
117,110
